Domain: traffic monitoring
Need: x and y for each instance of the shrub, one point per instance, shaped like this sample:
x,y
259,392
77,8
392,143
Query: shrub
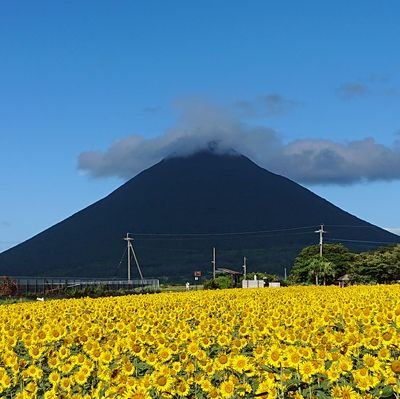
x,y
8,286
220,282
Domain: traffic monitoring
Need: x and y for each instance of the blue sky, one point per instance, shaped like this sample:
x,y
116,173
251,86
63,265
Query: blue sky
x,y
91,92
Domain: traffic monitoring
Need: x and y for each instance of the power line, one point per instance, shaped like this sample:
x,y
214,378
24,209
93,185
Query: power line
x,y
363,241
356,226
222,234
242,233
223,237
120,262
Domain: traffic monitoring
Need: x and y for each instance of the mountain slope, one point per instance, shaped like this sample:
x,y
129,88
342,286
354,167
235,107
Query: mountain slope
x,y
201,194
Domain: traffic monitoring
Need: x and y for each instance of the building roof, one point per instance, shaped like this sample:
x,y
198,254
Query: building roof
x,y
228,271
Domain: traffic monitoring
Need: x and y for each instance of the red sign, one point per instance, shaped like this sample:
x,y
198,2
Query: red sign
x,y
197,274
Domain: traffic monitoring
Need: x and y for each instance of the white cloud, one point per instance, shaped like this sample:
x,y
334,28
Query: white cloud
x,y
311,161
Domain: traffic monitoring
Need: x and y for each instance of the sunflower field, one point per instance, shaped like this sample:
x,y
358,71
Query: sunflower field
x,y
296,342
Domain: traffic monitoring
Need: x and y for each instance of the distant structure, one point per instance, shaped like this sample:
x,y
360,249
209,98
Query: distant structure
x,y
274,284
253,283
343,281
235,276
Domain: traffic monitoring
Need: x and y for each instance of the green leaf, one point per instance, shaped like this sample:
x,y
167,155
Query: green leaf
x,y
387,392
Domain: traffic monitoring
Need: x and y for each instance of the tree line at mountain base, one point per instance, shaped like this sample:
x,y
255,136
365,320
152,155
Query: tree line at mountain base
x,y
378,266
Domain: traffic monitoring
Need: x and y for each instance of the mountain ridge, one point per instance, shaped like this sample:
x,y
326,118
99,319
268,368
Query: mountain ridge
x,y
204,193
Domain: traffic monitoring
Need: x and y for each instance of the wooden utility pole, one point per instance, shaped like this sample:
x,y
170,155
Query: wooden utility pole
x,y
244,268
128,242
213,263
321,232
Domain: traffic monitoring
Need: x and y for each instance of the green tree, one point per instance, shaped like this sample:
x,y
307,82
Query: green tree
x,y
377,266
313,268
327,270
320,267
338,255
220,282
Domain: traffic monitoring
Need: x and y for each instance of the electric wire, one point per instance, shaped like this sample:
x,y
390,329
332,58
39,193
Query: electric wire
x,y
256,235
220,234
120,262
363,241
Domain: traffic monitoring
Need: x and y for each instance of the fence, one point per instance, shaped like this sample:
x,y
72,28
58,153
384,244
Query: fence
x,y
46,285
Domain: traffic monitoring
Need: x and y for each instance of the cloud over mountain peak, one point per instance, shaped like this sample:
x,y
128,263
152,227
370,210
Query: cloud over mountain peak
x,y
200,124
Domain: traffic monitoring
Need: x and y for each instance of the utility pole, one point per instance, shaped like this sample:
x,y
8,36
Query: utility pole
x,y
130,249
244,268
285,273
213,263
128,243
321,231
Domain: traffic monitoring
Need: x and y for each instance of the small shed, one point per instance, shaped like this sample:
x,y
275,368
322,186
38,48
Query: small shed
x,y
344,281
235,276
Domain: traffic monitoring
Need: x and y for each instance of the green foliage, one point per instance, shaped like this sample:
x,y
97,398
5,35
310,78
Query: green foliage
x,y
209,284
97,291
337,260
220,282
379,266
320,268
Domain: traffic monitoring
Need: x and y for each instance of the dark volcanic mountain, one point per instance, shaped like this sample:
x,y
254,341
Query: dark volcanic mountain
x,y
211,199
